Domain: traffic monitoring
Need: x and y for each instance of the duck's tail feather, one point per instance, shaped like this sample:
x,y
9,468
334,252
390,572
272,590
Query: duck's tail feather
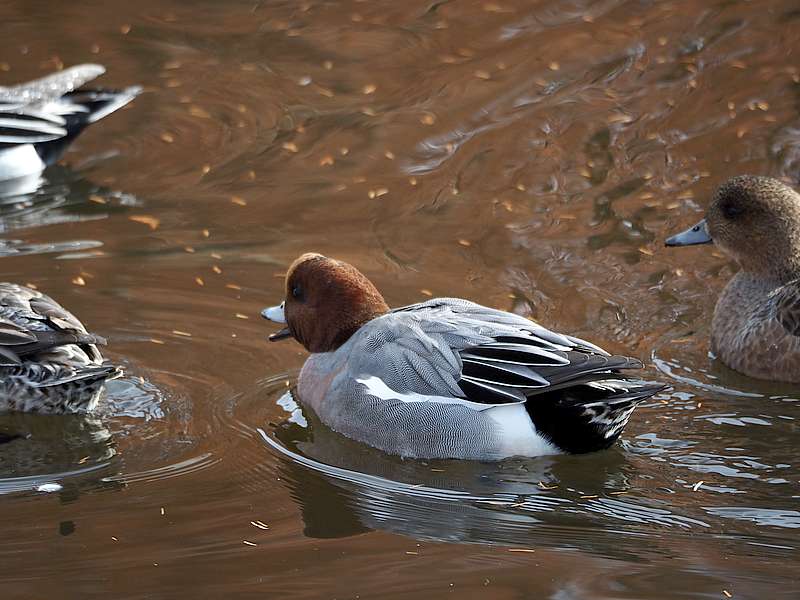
x,y
80,109
590,415
85,377
102,102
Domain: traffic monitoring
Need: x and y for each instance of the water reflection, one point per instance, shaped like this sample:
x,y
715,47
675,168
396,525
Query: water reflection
x,y
344,488
70,453
59,196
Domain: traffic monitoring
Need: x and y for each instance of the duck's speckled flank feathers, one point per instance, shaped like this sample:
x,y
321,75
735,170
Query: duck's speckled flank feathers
x,y
48,361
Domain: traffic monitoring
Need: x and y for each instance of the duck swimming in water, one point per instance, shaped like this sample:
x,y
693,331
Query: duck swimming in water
x,y
448,378
49,363
756,324
41,118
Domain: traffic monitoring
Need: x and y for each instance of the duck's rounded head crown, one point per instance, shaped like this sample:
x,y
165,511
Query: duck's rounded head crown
x,y
756,220
327,301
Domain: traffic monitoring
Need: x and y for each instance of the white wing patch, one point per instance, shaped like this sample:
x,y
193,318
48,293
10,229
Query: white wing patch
x,y
377,387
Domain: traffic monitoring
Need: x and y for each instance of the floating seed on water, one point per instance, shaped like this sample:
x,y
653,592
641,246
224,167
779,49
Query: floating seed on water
x,y
79,280
426,292
241,316
369,89
480,74
125,29
181,333
151,222
233,286
157,341
216,270
238,200
197,111
167,137
199,281
98,199
389,154
554,66
206,233
428,119
465,243
290,146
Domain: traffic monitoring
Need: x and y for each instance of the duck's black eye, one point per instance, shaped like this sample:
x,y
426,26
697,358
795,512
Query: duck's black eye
x,y
731,209
297,292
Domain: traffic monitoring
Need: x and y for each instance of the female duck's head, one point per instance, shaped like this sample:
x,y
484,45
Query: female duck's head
x,y
756,221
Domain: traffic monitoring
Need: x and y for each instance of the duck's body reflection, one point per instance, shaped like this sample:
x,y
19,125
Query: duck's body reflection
x,y
344,488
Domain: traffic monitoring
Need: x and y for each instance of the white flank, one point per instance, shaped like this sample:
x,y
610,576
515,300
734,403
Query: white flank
x,y
520,437
517,431
19,161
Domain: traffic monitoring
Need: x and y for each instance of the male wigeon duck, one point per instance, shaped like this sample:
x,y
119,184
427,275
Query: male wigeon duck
x,y
49,363
39,119
756,324
448,378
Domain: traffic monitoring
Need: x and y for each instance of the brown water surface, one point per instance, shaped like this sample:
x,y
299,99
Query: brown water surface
x,y
529,155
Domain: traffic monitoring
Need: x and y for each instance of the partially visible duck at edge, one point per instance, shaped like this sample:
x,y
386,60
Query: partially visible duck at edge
x,y
49,363
41,118
756,324
448,378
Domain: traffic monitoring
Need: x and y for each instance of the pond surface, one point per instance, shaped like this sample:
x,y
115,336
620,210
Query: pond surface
x,y
526,155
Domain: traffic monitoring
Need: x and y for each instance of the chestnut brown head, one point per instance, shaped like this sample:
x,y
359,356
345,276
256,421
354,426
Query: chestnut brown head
x,y
326,302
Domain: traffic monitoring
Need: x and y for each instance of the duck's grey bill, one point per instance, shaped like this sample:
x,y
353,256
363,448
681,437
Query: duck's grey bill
x,y
692,236
276,315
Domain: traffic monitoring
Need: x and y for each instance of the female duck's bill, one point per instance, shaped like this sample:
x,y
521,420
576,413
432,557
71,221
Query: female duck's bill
x,y
448,378
697,234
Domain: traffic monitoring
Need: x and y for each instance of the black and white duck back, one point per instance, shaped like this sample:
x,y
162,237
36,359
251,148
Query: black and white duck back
x,y
40,118
49,362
